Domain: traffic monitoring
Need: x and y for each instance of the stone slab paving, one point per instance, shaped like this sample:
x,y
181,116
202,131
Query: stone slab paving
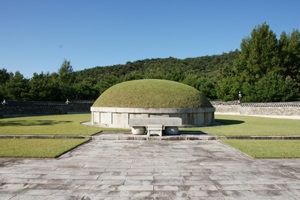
x,y
124,169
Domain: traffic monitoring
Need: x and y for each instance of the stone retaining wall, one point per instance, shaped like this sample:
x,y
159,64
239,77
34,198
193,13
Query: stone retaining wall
x,y
274,109
119,117
20,108
17,108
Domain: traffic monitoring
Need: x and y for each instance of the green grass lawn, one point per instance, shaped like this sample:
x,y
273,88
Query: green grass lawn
x,y
44,125
70,125
267,148
37,148
234,125
47,125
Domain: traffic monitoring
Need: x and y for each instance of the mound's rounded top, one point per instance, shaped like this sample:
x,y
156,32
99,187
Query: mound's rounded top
x,y
152,93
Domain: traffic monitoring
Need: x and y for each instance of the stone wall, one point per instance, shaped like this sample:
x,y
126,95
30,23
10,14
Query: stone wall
x,y
120,117
273,109
17,108
22,108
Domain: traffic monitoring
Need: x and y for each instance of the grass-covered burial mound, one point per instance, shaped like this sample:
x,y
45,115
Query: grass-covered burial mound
x,y
152,93
151,98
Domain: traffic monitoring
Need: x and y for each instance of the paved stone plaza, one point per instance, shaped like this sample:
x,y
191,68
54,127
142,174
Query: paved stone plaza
x,y
138,169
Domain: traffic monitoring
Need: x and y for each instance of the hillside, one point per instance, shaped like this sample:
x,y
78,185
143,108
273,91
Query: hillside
x,y
163,67
200,72
190,71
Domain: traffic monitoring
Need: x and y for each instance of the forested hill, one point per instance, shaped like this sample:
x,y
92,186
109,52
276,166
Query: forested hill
x,y
200,72
165,68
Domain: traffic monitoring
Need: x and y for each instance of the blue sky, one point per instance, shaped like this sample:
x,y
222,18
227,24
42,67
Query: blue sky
x,y
37,35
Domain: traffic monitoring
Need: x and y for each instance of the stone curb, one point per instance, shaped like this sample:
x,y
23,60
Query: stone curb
x,y
261,137
144,137
42,137
132,137
109,137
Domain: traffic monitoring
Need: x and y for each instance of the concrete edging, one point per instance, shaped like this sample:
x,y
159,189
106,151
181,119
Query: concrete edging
x,y
145,137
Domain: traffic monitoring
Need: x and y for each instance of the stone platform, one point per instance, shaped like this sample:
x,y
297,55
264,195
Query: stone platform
x,y
140,169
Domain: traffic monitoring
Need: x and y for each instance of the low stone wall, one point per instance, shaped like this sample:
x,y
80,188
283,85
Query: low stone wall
x,y
272,109
20,108
17,108
226,107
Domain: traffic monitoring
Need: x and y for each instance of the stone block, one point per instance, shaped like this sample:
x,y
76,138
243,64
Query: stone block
x,y
154,130
172,121
138,130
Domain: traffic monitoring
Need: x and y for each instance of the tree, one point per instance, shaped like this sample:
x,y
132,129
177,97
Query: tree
x,y
272,87
259,55
16,88
65,71
227,88
4,77
65,77
290,57
263,63
85,89
43,87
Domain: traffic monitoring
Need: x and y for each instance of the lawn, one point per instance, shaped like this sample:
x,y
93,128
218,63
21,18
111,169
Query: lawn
x,y
267,148
230,125
234,125
47,125
67,125
37,148
71,125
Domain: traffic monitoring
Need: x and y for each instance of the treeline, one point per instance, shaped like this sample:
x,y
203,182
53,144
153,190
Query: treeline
x,y
88,84
266,69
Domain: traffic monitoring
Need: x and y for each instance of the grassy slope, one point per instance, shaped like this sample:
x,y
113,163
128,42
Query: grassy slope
x,y
267,148
152,93
47,125
37,148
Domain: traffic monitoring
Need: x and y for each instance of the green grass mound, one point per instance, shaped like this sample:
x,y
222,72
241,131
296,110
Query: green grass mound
x,y
152,93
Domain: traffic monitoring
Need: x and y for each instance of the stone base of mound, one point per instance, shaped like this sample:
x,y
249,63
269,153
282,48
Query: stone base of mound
x,y
119,117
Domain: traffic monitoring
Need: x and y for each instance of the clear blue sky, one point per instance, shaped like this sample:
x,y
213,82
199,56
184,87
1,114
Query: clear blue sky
x,y
37,35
